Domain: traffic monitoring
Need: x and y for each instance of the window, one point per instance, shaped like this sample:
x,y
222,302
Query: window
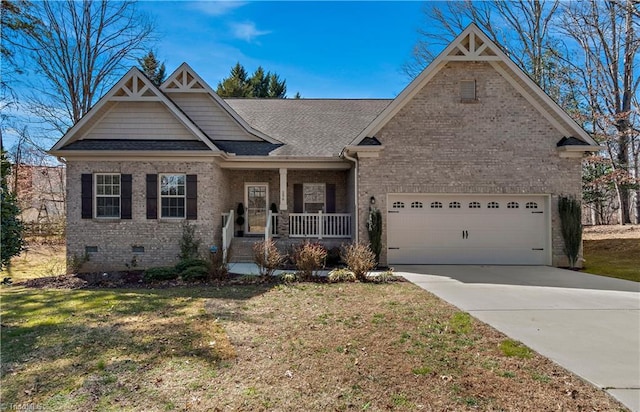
x,y
493,205
436,205
468,90
172,196
398,205
107,195
513,205
454,205
314,197
416,205
531,205
474,205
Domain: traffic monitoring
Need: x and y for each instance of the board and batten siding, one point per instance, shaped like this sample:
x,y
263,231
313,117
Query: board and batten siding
x,y
210,117
140,120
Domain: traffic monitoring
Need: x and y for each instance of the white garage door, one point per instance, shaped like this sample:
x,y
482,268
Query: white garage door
x,y
467,229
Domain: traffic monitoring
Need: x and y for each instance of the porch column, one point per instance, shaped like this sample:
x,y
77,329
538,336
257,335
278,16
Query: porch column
x,y
283,189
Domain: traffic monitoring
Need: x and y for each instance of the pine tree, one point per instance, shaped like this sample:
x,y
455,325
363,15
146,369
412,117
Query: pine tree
x,y
152,68
261,84
11,237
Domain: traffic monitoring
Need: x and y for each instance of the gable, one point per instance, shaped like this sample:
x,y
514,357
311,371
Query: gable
x,y
133,109
472,45
139,120
210,112
210,117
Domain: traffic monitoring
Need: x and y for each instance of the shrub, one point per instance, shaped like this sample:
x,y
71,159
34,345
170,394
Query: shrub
x,y
288,277
267,256
374,227
76,262
189,244
359,259
341,275
218,267
309,258
187,263
195,273
571,225
160,273
384,277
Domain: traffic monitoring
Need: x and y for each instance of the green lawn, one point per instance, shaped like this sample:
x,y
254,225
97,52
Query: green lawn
x,y
617,258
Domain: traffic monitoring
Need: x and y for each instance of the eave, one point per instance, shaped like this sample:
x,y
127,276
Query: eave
x,y
577,151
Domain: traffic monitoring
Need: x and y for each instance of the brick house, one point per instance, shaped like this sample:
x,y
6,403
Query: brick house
x,y
466,166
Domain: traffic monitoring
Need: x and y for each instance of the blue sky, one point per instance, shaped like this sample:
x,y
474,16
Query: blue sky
x,y
323,49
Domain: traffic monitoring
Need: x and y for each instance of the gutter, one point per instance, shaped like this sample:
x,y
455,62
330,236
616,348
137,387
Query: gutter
x,y
355,196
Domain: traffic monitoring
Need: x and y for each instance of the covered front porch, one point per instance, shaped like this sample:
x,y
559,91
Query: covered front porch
x,y
290,204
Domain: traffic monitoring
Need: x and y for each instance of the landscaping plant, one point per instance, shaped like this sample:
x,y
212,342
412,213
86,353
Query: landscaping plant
x,y
571,224
267,256
309,259
374,227
189,244
359,258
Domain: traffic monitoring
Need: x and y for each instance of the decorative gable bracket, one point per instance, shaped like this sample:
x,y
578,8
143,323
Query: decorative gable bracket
x,y
135,88
472,48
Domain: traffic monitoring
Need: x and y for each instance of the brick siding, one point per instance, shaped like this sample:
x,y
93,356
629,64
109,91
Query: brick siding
x,y
437,144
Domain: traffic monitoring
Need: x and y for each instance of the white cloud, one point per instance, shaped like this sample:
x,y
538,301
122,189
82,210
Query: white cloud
x,y
216,8
247,31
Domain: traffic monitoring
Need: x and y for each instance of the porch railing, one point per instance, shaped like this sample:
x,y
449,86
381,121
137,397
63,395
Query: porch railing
x,y
320,225
227,233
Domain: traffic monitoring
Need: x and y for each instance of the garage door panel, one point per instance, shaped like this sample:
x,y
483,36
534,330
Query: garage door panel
x,y
471,229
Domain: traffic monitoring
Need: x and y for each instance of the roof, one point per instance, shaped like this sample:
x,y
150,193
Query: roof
x,y
309,127
246,148
123,144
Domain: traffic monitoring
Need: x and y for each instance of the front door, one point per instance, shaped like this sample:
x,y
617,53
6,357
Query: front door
x,y
256,198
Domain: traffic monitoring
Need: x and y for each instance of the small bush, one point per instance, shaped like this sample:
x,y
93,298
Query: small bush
x,y
309,259
359,259
288,277
384,277
188,263
77,262
267,256
341,275
195,273
218,268
161,273
189,244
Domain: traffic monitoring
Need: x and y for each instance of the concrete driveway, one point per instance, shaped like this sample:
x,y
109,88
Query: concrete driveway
x,y
588,324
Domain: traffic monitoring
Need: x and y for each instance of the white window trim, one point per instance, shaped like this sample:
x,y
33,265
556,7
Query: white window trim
x,y
324,196
161,196
96,196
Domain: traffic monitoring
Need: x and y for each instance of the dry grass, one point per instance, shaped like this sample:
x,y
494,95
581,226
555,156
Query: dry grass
x,y
613,251
302,347
36,261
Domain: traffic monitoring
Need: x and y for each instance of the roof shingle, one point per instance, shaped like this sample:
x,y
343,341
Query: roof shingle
x,y
309,127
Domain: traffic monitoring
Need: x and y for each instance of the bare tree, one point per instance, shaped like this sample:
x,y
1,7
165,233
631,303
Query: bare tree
x,y
81,47
521,28
606,57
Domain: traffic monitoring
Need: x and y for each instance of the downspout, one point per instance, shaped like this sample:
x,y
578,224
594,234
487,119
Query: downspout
x,y
355,195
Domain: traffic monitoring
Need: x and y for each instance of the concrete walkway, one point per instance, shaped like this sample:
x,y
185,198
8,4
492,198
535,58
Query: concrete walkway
x,y
587,324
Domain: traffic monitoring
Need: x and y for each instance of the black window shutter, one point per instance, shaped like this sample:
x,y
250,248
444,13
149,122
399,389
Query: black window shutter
x,y
152,196
192,197
297,198
87,195
125,197
331,198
